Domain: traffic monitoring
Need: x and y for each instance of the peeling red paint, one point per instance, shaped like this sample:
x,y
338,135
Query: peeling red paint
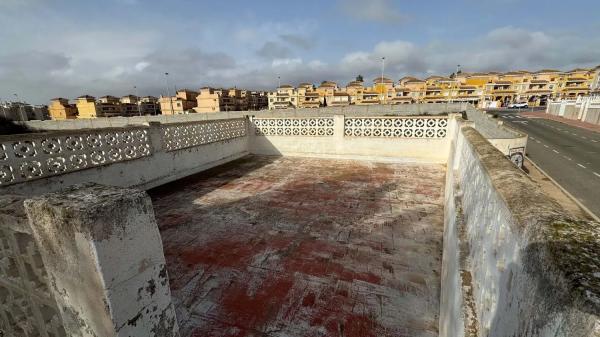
x,y
304,247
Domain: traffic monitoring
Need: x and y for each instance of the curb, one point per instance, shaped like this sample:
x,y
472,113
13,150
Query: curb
x,y
585,209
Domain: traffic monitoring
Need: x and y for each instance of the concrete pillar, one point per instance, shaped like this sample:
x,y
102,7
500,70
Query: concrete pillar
x,y
104,257
156,137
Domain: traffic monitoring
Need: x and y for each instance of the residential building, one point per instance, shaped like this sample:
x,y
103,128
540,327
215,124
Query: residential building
x,y
183,101
325,91
86,107
284,98
22,111
259,100
339,99
385,87
148,105
61,109
108,106
130,105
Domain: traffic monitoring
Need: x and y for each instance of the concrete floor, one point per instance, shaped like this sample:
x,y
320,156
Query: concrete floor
x,y
272,246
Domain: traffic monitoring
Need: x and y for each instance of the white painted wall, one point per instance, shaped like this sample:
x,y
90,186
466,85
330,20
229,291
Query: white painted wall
x,y
503,231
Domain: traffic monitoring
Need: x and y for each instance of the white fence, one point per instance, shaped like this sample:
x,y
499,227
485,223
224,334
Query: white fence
x,y
585,109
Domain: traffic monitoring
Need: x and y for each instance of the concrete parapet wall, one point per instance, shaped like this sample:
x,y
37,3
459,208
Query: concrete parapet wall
x,y
142,157
533,270
104,257
420,139
27,308
503,137
367,110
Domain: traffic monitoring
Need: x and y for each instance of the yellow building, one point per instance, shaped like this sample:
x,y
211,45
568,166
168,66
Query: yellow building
x,y
183,101
385,88
86,107
284,98
326,90
60,108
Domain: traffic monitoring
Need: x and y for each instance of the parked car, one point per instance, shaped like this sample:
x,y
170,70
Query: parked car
x,y
520,105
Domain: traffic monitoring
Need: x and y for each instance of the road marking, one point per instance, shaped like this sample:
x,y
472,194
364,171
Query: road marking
x,y
581,165
545,145
555,151
537,141
583,137
567,158
595,141
532,137
597,175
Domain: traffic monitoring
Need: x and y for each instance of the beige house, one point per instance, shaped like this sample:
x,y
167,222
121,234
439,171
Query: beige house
x,y
183,101
60,108
285,97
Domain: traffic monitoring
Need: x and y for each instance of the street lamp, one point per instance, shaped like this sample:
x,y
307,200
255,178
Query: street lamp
x,y
382,69
278,82
168,93
138,102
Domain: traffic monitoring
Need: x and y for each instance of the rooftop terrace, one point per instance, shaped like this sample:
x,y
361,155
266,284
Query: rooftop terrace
x,y
368,223
269,246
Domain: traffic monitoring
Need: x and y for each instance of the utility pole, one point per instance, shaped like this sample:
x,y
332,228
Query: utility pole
x,y
169,94
138,102
278,82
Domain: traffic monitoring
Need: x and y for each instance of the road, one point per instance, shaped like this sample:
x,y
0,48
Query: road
x,y
570,155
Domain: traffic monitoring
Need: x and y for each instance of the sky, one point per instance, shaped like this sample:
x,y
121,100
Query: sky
x,y
68,48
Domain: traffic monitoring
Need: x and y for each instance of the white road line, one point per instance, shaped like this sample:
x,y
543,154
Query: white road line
x,y
537,141
583,137
596,174
555,151
581,165
567,158
545,145
595,141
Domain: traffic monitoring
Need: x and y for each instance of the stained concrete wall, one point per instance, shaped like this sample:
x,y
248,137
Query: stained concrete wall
x,y
160,167
529,268
104,257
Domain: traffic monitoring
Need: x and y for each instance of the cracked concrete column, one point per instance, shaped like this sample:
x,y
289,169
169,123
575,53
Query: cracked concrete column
x,y
104,256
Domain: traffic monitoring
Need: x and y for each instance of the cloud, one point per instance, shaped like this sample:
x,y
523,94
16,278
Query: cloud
x,y
298,41
383,11
274,50
106,62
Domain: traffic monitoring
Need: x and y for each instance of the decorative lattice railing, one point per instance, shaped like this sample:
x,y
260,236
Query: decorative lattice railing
x,y
27,307
183,135
293,126
399,127
39,155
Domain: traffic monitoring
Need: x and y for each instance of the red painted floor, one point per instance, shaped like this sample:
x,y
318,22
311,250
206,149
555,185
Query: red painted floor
x,y
270,246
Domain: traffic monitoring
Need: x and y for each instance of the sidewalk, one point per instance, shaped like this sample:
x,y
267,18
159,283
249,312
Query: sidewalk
x,y
571,122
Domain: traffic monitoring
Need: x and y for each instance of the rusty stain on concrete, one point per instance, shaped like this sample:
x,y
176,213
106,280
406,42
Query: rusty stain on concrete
x,y
282,246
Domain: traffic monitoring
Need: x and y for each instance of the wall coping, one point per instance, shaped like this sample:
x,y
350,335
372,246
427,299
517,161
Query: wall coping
x,y
566,250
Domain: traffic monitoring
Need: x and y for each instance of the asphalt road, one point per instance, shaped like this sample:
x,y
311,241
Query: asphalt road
x,y
570,155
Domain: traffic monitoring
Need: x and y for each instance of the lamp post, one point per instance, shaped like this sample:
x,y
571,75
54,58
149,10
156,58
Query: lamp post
x,y
169,94
138,101
278,82
382,70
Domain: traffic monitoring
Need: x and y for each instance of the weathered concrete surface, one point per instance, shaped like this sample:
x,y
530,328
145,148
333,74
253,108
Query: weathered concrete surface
x,y
103,254
271,246
535,271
